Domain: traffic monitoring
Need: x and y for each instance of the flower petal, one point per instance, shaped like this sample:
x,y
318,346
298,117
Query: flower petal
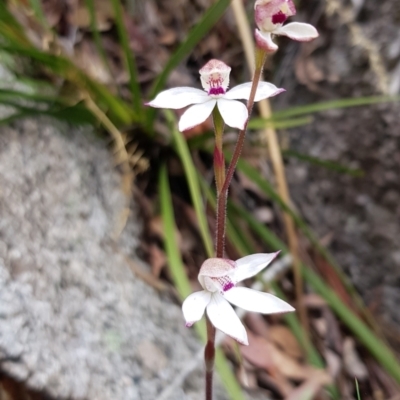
x,y
194,305
233,112
179,97
264,41
255,301
224,318
251,265
264,90
196,114
297,31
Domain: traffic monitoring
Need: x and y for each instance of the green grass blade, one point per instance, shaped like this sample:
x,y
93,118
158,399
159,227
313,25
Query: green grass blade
x,y
10,29
11,94
260,123
129,58
331,165
182,283
174,258
183,152
334,104
209,19
254,175
375,346
65,68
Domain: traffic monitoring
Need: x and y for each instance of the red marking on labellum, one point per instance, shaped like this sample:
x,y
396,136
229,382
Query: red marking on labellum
x,y
188,324
218,158
279,18
228,286
216,91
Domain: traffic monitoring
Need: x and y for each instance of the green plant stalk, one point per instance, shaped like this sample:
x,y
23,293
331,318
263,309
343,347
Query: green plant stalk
x,y
182,283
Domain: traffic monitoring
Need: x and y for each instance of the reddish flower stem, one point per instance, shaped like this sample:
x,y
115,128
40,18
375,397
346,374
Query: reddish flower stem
x,y
222,196
209,357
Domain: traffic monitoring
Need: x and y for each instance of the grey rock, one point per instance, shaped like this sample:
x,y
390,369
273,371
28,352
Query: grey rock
x,y
74,320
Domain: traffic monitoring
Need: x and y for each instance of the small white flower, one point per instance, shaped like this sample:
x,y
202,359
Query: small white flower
x,y
270,16
214,78
218,277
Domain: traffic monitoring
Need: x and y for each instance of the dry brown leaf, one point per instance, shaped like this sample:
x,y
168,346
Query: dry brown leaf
x,y
284,339
310,387
333,363
352,361
88,59
305,68
313,300
264,354
157,259
79,14
246,377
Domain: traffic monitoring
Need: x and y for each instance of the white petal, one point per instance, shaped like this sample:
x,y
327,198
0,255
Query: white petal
x,y
233,112
297,31
264,41
251,265
179,97
264,90
194,305
255,301
196,114
224,318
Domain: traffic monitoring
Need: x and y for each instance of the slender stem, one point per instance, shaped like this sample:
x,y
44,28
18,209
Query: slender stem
x,y
209,357
223,194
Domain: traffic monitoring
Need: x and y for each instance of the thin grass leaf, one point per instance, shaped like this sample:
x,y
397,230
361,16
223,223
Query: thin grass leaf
x,y
265,186
357,389
174,258
66,69
10,94
183,152
129,58
334,104
209,19
376,347
10,28
331,165
182,283
260,123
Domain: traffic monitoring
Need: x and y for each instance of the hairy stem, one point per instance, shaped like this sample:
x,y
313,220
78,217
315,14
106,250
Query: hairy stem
x,y
222,196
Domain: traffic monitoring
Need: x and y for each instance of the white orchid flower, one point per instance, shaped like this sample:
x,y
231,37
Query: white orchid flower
x,y
214,78
218,277
270,16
